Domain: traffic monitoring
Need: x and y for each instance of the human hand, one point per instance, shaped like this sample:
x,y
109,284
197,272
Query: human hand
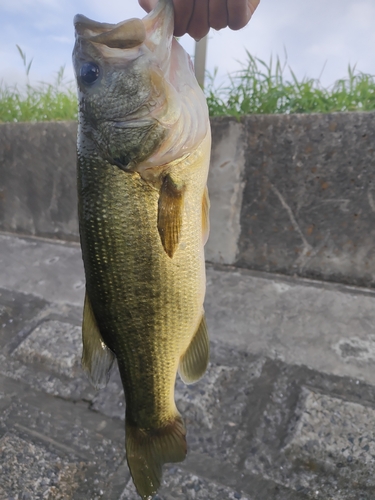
x,y
196,17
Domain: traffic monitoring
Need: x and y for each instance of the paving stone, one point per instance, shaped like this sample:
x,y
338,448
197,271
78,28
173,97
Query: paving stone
x,y
303,439
260,423
199,402
39,378
111,399
28,471
235,477
216,408
298,321
17,311
339,433
69,430
44,350
47,269
181,485
55,345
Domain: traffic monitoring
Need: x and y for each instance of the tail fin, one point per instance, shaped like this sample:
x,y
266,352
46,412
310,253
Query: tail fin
x,y
148,450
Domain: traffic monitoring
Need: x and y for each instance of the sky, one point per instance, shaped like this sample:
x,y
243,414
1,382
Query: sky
x,y
320,37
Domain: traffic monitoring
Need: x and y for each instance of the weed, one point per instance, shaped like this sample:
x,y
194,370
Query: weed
x,y
41,102
258,87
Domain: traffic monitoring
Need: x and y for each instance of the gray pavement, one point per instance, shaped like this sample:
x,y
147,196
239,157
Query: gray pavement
x,y
285,411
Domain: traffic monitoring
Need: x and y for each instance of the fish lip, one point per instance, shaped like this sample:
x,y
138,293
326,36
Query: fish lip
x,y
82,23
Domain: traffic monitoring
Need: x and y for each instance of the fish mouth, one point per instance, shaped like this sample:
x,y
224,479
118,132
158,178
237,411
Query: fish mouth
x,y
124,35
154,30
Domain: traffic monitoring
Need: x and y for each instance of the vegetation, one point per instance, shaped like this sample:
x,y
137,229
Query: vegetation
x,y
257,87
41,102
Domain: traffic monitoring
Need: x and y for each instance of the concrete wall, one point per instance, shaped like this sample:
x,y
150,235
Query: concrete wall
x,y
291,194
38,179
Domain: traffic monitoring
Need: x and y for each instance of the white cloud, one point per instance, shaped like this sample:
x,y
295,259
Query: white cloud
x,y
336,31
330,46
362,15
22,6
112,11
62,39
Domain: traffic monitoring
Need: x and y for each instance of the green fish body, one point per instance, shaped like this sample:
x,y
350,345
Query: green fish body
x,y
142,162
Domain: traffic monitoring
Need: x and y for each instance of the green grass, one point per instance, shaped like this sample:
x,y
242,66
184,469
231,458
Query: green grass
x,y
258,87
41,102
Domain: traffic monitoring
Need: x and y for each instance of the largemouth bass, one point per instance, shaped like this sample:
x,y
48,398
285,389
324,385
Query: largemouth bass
x,y
143,156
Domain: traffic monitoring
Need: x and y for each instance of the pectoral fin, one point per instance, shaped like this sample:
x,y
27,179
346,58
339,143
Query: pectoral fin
x,y
194,362
97,359
170,214
205,216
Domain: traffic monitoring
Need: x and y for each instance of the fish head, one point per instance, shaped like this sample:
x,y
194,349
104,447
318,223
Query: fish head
x,y
140,106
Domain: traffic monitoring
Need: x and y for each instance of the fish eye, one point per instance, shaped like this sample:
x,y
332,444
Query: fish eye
x,y
89,73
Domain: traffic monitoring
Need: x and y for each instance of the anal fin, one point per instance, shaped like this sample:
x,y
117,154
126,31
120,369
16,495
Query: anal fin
x,y
148,449
194,361
170,214
97,358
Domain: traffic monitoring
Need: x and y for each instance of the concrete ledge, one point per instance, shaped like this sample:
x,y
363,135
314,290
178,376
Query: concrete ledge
x,y
38,179
292,194
309,198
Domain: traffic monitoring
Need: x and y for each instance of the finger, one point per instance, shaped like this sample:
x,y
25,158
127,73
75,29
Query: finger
x,y
198,25
218,14
147,5
183,10
240,12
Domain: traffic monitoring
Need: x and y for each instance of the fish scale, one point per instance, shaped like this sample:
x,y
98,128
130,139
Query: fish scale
x,y
124,285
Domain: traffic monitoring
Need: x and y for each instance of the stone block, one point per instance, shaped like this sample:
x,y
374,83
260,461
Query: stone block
x,y
28,471
17,312
181,485
55,345
44,269
336,433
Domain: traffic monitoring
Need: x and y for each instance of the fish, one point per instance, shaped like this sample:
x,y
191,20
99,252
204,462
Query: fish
x,y
143,153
